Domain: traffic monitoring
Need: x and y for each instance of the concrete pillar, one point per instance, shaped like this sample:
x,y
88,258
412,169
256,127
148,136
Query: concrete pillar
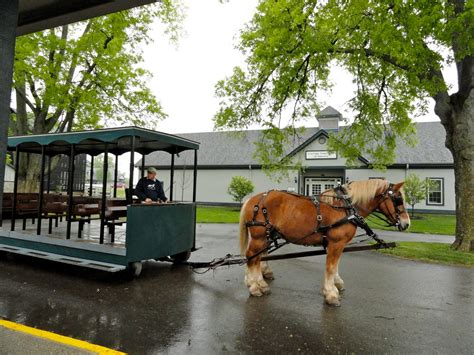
x,y
8,24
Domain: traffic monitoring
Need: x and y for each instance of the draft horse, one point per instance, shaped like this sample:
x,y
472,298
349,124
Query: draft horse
x,y
329,219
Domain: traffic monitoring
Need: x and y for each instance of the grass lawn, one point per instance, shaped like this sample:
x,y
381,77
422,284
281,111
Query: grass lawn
x,y
207,214
432,252
438,253
428,223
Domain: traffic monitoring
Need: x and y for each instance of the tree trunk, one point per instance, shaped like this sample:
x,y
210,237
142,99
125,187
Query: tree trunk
x,y
464,187
460,135
21,127
29,172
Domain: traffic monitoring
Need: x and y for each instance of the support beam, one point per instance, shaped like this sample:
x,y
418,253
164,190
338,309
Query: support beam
x,y
104,191
132,167
172,177
8,24
195,175
91,175
15,187
49,174
70,185
115,175
41,190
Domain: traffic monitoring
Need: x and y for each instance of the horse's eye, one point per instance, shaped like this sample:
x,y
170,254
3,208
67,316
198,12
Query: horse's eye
x,y
398,200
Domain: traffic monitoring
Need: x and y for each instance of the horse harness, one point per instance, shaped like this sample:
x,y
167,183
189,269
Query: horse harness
x,y
273,234
352,216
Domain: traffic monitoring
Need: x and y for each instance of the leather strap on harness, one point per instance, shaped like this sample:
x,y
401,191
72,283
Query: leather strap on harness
x,y
352,216
269,228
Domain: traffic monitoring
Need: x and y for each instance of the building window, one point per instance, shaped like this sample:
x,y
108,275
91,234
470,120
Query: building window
x,y
435,192
316,189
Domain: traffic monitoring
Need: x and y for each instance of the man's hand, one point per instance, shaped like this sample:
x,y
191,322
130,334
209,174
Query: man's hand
x,y
148,200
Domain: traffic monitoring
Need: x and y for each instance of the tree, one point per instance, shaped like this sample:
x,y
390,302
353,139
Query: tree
x,y
240,187
99,168
86,76
415,190
395,51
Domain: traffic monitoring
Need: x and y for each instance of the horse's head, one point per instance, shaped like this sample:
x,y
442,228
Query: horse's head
x,y
392,205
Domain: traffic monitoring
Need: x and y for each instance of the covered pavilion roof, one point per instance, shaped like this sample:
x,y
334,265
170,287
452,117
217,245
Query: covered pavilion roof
x,y
38,15
117,140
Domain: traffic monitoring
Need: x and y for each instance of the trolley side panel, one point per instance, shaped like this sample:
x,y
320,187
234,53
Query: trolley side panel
x,y
155,231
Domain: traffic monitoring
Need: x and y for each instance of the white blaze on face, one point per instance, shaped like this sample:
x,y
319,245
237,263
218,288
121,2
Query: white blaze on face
x,y
404,221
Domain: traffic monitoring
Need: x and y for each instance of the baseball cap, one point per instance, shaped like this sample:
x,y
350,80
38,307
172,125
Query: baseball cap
x,y
151,170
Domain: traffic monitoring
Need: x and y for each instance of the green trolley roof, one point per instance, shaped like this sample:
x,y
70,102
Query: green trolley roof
x,y
117,140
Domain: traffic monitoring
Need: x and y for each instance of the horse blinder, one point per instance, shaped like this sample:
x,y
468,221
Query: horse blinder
x,y
397,200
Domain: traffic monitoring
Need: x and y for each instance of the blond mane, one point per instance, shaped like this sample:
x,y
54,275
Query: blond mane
x,y
361,192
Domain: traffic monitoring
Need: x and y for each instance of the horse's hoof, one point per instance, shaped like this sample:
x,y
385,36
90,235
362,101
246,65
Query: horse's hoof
x,y
336,304
246,281
339,284
269,276
333,301
255,291
265,289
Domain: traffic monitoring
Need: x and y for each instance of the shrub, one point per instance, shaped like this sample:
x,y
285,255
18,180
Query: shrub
x,y
240,187
415,190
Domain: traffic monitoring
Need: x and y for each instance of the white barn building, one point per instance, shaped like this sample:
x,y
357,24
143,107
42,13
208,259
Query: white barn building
x,y
223,155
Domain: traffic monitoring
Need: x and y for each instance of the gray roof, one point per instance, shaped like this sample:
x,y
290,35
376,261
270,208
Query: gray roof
x,y
430,148
227,149
330,111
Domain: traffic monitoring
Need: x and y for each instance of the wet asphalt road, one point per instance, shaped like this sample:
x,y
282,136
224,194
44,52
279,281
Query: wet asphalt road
x,y
390,305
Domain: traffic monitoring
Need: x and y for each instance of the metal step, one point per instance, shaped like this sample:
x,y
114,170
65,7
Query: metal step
x,y
63,259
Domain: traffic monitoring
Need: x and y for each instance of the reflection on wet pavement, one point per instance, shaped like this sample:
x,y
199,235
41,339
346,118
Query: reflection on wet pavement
x,y
390,305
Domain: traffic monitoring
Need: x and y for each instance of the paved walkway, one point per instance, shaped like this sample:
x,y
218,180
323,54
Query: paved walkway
x,y
394,236
390,306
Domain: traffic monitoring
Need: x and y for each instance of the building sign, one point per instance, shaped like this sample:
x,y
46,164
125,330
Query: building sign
x,y
320,154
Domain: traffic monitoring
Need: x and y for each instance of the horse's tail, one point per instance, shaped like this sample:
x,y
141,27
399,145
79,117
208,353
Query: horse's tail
x,y
244,233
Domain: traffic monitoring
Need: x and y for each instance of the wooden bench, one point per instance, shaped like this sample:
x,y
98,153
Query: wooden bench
x,y
115,209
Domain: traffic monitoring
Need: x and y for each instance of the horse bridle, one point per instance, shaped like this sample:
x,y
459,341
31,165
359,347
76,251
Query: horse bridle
x,y
397,201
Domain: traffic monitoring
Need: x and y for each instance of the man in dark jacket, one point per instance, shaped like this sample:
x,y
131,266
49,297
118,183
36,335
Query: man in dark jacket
x,y
149,189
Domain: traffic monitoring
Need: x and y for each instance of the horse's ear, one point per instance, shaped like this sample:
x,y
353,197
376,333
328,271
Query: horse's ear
x,y
398,186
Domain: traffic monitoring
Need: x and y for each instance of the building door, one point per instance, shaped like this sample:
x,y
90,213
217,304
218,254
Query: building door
x,y
316,186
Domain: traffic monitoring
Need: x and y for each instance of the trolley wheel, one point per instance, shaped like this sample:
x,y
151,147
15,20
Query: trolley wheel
x,y
135,268
180,257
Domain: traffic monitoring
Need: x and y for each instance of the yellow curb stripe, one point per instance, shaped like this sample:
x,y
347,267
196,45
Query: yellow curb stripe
x,y
59,338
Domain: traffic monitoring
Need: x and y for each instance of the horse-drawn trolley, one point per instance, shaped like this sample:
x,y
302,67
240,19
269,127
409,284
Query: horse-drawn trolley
x,y
105,232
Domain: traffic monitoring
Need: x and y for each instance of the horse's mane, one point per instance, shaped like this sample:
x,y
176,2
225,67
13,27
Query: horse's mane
x,y
361,192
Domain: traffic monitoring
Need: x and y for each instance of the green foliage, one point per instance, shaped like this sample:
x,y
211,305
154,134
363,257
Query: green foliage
x,y
87,75
393,49
415,190
439,253
99,168
240,187
272,150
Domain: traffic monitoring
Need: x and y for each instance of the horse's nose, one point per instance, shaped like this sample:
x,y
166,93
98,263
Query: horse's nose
x,y
404,223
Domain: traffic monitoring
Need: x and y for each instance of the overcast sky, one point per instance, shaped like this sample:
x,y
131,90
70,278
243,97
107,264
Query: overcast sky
x,y
184,77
